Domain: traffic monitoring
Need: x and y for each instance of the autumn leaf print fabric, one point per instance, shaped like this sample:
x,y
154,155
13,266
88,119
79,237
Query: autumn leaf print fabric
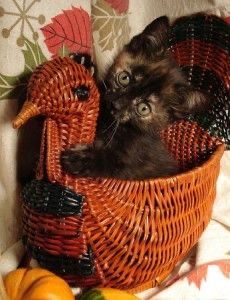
x,y
38,31
35,31
111,29
111,23
69,30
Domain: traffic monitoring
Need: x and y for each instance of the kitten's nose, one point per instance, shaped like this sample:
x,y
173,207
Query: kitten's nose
x,y
115,108
116,105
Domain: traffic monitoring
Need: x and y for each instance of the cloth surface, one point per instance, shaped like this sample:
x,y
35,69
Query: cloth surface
x,y
51,28
143,12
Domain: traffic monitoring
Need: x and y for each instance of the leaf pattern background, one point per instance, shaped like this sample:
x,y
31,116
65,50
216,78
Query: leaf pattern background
x,y
13,86
199,274
8,86
120,5
33,56
70,30
112,26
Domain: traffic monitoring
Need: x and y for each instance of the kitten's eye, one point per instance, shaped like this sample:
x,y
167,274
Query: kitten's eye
x,y
81,92
143,109
123,78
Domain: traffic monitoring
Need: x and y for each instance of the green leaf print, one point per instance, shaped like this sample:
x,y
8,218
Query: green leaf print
x,y
63,51
9,86
33,56
111,26
12,86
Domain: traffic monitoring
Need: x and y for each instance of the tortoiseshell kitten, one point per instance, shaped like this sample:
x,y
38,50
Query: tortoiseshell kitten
x,y
145,91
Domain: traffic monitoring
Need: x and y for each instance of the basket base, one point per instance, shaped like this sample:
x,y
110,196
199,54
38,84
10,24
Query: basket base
x,y
26,260
150,284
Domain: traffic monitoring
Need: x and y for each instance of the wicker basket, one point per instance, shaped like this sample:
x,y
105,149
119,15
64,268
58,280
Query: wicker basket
x,y
125,234
200,44
107,232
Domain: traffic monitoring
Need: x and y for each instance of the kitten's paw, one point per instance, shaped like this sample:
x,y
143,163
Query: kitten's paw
x,y
76,160
79,147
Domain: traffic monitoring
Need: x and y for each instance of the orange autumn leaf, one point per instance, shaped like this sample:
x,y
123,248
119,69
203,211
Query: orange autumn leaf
x,y
69,30
200,273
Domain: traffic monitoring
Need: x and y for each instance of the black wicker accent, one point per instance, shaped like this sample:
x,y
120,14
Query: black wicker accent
x,y
205,37
52,198
217,119
62,265
207,28
82,59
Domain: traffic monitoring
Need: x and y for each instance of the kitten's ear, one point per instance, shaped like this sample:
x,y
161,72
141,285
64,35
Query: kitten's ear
x,y
158,30
196,101
153,40
192,101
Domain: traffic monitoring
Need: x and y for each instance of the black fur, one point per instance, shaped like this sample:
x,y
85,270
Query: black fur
x,y
127,144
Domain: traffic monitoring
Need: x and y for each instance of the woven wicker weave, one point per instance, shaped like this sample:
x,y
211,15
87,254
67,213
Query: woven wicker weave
x,y
201,45
107,232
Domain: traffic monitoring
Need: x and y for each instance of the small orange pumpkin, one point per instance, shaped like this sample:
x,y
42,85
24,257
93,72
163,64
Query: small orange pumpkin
x,y
34,284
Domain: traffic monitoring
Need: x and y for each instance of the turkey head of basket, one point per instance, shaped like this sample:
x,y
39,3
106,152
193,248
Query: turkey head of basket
x,y
65,93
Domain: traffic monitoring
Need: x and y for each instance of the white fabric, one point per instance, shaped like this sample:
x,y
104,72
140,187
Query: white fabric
x,y
10,259
9,202
215,241
215,286
143,12
221,210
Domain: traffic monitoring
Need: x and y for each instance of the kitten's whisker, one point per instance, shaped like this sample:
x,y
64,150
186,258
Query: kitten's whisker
x,y
113,133
104,84
106,129
113,127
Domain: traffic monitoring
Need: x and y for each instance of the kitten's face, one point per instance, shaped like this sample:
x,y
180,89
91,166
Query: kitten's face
x,y
138,88
145,112
144,85
136,92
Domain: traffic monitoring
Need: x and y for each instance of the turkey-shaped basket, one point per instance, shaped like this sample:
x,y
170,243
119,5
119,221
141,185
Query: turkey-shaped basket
x,y
104,231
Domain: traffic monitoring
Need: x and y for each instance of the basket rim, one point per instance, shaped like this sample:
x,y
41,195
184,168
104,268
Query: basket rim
x,y
218,152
